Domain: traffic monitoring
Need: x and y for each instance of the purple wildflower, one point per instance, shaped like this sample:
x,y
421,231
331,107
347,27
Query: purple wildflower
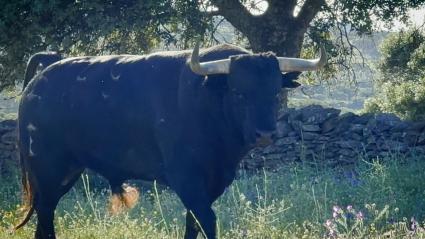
x,y
350,208
336,209
330,226
331,232
359,216
414,225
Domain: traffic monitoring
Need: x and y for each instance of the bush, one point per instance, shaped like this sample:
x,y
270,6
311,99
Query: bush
x,y
417,60
405,99
401,81
401,56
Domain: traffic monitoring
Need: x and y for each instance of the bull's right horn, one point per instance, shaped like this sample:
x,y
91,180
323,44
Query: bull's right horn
x,y
209,67
287,64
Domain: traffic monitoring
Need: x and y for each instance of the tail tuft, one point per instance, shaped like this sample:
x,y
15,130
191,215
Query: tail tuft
x,y
126,198
27,198
30,211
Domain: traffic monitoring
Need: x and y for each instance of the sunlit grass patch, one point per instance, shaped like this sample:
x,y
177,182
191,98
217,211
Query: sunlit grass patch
x,y
383,198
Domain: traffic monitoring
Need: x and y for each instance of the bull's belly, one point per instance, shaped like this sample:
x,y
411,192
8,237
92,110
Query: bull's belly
x,y
118,151
130,163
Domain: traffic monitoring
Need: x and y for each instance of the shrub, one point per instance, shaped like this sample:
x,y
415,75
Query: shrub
x,y
417,60
401,56
405,99
401,80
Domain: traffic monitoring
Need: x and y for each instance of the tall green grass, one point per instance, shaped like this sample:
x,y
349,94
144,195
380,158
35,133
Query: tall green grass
x,y
379,199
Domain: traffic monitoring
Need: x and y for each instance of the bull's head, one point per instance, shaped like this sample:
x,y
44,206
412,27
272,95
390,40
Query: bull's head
x,y
254,83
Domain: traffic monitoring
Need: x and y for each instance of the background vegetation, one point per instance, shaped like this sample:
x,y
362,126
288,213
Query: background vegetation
x,y
401,77
383,198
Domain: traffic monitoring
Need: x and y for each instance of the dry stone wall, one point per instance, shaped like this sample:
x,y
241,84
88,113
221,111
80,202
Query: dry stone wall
x,y
322,134
311,133
8,152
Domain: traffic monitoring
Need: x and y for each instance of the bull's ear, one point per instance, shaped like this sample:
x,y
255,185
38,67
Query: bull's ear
x,y
288,79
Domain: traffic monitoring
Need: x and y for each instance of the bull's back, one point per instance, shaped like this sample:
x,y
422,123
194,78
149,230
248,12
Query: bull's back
x,y
102,109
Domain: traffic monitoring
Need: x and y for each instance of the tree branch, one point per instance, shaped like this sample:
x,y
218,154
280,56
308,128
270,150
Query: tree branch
x,y
211,13
309,11
235,13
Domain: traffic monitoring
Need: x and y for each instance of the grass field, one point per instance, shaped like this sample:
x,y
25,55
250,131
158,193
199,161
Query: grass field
x,y
382,199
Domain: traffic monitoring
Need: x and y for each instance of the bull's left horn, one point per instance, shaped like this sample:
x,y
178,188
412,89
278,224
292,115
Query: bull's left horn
x,y
287,64
207,68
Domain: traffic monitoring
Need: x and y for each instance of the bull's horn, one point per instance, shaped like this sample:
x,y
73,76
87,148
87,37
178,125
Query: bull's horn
x,y
287,64
207,68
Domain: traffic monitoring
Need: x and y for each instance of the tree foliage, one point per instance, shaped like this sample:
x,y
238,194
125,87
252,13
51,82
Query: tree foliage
x,y
402,55
88,27
75,27
402,76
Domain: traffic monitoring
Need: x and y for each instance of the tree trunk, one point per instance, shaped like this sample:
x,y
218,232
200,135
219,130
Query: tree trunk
x,y
277,30
283,39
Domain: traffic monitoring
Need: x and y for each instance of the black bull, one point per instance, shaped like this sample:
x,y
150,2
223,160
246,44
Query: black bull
x,y
149,118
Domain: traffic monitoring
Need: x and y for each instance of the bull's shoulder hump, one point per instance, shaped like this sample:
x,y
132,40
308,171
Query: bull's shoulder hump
x,y
225,47
222,51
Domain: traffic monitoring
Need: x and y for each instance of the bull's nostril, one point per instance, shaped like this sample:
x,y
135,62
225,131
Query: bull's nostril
x,y
263,138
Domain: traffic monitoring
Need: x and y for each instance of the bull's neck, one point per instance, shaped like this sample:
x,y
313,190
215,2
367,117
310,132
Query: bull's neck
x,y
226,130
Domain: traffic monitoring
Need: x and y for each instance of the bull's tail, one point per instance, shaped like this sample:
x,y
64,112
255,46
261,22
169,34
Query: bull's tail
x,y
28,194
42,58
45,59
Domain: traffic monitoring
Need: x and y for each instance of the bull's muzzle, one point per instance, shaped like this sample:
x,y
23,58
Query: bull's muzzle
x,y
264,138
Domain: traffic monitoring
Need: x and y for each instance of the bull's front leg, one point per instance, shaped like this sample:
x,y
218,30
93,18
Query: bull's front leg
x,y
200,220
191,230
190,186
186,174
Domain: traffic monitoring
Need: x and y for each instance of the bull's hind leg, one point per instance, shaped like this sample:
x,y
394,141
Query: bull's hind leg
x,y
53,177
